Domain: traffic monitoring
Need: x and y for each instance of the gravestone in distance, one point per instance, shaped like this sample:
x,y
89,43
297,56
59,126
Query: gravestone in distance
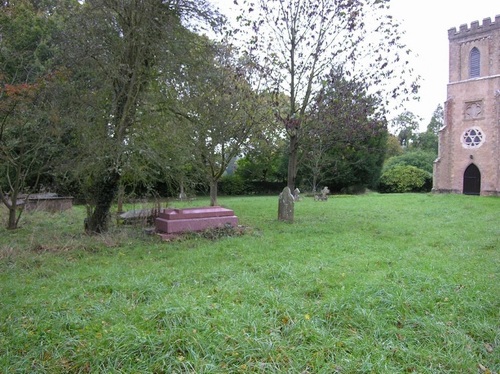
x,y
286,205
296,194
324,195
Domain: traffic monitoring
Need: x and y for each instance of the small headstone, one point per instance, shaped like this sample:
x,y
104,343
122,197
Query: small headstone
x,y
286,205
324,195
296,194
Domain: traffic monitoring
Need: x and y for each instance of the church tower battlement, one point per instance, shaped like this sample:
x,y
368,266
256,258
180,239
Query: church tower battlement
x,y
475,29
477,46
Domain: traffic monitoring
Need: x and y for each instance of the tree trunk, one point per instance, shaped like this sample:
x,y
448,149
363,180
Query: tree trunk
x,y
292,175
14,213
182,193
213,193
292,161
105,189
314,183
12,224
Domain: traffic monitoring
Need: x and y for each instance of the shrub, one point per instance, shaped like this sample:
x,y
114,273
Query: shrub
x,y
405,178
265,188
231,185
420,159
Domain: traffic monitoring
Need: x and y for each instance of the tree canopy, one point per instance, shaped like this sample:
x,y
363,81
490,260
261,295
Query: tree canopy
x,y
115,50
28,115
98,95
220,108
346,140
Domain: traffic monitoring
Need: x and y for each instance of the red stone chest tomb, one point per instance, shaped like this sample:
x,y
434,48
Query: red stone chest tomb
x,y
194,219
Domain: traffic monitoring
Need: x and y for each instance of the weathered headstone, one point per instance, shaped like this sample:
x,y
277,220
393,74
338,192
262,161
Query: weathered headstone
x,y
296,194
324,195
324,192
286,205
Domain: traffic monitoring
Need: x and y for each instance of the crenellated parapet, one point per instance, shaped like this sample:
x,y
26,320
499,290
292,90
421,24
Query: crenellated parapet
x,y
475,29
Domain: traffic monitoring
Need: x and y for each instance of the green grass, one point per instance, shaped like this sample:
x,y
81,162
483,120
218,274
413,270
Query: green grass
x,y
373,283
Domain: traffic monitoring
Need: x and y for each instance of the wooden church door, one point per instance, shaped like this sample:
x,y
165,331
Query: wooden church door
x,y
472,180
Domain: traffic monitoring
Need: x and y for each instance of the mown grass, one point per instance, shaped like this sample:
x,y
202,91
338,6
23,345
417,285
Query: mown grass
x,y
373,283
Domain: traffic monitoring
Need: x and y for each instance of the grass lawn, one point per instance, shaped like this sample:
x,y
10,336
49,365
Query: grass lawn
x,y
372,283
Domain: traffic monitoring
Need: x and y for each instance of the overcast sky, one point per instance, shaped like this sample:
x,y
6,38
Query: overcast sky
x,y
426,23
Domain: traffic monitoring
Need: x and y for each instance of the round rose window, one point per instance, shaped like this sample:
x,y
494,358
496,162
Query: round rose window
x,y
473,138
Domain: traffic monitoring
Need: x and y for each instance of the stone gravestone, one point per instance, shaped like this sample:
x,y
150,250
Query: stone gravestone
x,y
324,192
296,194
285,207
324,195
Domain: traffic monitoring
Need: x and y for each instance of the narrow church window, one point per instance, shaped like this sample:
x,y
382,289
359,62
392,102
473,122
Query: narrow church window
x,y
474,63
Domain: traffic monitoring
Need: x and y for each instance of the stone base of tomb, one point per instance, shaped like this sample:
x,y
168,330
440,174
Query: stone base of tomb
x,y
171,221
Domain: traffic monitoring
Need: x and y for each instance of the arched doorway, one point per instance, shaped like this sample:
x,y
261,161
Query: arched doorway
x,y
472,180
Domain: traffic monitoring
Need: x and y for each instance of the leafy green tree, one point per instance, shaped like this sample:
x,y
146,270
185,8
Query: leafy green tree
x,y
26,138
261,167
405,125
347,135
428,140
393,147
221,108
25,41
115,50
164,149
27,116
263,155
437,120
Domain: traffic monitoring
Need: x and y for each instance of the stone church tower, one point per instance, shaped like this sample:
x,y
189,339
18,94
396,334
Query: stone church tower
x,y
469,142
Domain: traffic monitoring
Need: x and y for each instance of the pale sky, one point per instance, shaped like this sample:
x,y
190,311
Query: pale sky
x,y
426,23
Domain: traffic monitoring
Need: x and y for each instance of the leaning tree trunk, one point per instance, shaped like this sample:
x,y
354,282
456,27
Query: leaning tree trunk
x,y
105,189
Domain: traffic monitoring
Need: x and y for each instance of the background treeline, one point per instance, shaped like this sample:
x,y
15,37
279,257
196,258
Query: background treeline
x,y
104,98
